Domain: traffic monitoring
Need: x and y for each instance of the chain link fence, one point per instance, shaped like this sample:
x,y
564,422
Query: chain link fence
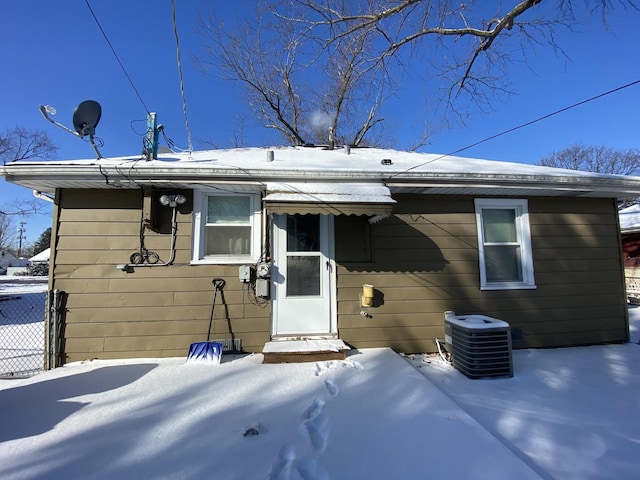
x,y
23,315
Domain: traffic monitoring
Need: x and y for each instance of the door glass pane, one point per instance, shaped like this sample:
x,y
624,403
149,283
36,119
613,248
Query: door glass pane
x,y
499,225
303,275
228,209
303,233
503,263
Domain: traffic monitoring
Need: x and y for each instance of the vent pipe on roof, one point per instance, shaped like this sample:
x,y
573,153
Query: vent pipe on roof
x,y
270,155
347,149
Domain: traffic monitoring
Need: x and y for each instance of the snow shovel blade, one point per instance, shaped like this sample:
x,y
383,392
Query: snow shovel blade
x,y
205,352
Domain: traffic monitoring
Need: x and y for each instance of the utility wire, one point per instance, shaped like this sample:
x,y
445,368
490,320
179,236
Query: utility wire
x,y
539,119
184,100
124,70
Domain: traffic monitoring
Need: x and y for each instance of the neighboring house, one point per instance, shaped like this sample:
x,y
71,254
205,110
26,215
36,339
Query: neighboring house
x,y
630,233
42,257
40,263
537,247
10,263
630,230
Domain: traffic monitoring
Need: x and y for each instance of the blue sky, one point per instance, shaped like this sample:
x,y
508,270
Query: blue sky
x,y
52,52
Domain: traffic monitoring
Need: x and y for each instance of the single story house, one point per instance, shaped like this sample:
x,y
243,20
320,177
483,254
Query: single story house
x,y
630,233
296,232
42,257
11,263
630,230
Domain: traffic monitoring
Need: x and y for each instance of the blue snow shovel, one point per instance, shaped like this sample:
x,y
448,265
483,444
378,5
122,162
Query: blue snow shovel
x,y
208,352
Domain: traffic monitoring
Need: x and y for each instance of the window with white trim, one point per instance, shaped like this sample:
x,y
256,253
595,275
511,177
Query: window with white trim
x,y
226,228
504,244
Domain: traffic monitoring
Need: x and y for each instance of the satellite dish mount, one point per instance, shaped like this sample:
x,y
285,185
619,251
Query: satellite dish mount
x,y
85,120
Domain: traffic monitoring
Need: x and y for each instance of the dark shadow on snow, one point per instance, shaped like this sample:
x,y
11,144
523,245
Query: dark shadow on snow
x,y
35,408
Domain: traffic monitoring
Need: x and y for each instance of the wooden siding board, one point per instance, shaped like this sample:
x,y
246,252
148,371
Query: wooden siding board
x,y
576,338
143,274
158,244
393,333
566,206
149,312
577,253
562,243
542,294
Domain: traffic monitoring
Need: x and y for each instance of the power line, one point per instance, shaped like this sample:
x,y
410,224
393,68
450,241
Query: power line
x,y
539,119
184,100
124,70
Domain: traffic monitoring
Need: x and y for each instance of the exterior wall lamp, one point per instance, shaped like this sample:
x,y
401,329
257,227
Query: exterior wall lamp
x,y
172,200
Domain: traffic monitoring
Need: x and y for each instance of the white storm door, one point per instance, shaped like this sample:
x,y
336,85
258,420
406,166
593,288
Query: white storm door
x,y
302,275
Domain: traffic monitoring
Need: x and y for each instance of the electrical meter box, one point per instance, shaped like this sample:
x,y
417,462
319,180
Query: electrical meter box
x,y
263,270
262,288
244,274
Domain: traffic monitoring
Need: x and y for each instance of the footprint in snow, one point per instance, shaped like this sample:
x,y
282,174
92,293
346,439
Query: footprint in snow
x,y
282,469
313,410
318,431
316,423
353,363
310,469
332,388
322,367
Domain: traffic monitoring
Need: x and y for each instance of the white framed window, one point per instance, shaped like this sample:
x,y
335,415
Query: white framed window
x,y
504,244
226,227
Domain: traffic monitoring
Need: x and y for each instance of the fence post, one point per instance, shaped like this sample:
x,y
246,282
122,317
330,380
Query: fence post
x,y
47,332
52,333
56,334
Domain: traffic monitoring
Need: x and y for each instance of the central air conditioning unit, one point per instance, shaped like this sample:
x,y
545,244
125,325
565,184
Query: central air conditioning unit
x,y
480,346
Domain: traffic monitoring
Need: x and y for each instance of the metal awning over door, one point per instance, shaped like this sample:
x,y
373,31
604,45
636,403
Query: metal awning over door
x,y
329,198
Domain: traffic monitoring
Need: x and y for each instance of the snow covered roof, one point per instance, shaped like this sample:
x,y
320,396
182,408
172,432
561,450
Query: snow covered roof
x,y
329,198
328,192
43,256
630,219
400,171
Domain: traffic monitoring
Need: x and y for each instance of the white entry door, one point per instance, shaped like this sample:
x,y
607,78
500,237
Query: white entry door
x,y
303,276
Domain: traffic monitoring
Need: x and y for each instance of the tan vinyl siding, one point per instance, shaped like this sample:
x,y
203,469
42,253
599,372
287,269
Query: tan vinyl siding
x,y
154,311
422,261
425,261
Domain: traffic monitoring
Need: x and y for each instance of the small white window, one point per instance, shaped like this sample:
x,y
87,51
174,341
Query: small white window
x,y
226,228
504,244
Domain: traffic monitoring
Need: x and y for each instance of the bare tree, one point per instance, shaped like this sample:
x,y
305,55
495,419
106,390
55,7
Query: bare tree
x,y
295,86
18,209
7,231
22,144
596,158
468,31
320,70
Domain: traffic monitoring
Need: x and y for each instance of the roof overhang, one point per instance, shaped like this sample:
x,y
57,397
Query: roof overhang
x,y
131,173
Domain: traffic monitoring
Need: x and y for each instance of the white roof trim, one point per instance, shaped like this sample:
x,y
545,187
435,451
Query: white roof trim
x,y
419,172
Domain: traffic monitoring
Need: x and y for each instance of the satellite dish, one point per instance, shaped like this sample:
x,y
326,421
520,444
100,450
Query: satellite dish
x,y
86,117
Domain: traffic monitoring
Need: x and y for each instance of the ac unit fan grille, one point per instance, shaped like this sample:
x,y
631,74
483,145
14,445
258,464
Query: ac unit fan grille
x,y
479,353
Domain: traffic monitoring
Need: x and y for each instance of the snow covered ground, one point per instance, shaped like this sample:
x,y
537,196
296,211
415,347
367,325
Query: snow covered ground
x,y
567,413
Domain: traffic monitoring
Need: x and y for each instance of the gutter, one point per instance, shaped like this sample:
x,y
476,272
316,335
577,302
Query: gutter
x,y
43,196
133,175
